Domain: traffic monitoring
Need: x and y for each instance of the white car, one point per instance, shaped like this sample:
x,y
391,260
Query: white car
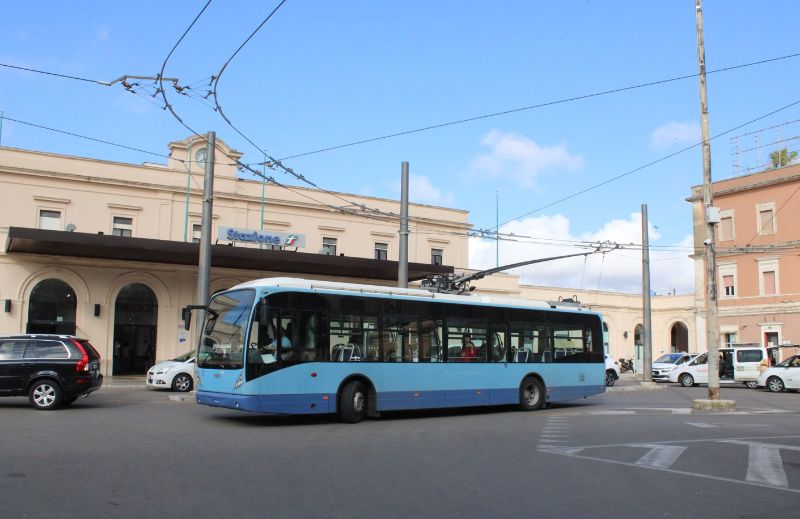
x,y
176,374
612,371
784,375
664,364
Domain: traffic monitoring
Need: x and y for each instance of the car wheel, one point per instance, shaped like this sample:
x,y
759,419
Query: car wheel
x,y
45,394
531,394
686,380
611,378
353,404
775,384
751,384
182,383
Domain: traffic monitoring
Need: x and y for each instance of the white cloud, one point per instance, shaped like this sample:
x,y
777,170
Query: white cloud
x,y
674,133
422,191
620,270
521,159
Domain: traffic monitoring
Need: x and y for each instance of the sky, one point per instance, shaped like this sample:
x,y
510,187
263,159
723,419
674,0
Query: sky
x,y
324,74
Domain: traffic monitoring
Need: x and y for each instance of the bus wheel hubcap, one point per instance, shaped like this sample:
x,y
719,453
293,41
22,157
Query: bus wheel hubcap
x,y
531,394
358,402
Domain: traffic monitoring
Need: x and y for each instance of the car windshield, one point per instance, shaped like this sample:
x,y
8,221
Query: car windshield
x,y
669,358
222,343
183,358
791,361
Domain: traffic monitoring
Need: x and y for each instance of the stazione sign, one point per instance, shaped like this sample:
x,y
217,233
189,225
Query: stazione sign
x,y
278,239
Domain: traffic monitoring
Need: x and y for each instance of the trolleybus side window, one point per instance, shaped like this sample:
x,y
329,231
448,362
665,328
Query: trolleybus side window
x,y
466,340
430,344
529,344
400,339
571,343
353,338
298,335
498,342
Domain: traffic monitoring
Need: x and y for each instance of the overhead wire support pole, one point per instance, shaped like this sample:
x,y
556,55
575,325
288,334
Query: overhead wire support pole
x,y
647,357
402,264
712,318
204,263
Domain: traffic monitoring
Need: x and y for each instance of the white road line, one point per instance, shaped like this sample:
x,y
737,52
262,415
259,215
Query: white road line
x,y
661,456
702,425
764,465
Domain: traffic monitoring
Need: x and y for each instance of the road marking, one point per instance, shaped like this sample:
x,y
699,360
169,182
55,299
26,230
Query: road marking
x,y
662,456
702,425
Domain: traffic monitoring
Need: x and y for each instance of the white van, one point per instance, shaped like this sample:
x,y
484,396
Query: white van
x,y
739,366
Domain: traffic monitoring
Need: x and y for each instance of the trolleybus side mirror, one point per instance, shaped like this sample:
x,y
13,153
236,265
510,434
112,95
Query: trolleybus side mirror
x,y
186,313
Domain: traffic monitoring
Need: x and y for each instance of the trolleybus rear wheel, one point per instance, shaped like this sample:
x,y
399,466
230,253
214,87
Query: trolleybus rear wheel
x,y
531,394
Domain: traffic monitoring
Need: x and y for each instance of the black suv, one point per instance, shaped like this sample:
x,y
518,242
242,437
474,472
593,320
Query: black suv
x,y
52,370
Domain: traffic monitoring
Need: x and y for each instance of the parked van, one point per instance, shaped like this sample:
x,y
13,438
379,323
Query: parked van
x,y
738,366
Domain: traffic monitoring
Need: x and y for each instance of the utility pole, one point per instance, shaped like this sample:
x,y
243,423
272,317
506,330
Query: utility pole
x,y
402,267
710,216
497,227
204,268
647,357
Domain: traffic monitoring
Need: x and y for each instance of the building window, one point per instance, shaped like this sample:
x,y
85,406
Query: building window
x,y
769,283
197,232
726,229
381,251
50,220
727,276
437,257
727,282
123,226
765,216
730,339
329,246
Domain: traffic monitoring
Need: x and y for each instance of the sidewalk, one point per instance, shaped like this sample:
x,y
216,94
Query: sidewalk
x,y
125,381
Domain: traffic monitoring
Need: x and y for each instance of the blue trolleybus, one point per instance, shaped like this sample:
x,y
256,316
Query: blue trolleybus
x,y
295,346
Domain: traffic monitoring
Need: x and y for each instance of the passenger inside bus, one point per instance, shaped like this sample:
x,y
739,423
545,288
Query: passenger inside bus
x,y
469,353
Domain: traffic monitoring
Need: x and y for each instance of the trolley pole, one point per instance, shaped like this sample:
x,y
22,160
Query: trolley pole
x,y
402,267
647,357
204,268
712,318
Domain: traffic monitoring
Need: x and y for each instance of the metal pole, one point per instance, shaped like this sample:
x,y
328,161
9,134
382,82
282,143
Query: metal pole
x,y
402,274
204,274
263,187
647,357
712,317
188,188
497,227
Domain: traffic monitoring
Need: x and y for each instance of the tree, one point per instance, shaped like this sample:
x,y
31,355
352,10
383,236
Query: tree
x,y
783,157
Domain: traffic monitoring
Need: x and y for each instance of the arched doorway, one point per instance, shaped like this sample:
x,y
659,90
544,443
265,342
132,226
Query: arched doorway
x,y
135,319
679,337
51,308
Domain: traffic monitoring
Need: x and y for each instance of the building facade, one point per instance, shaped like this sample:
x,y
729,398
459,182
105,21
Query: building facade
x,y
758,257
109,251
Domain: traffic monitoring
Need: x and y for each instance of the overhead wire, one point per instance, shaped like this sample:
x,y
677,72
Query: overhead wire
x,y
66,76
541,105
649,164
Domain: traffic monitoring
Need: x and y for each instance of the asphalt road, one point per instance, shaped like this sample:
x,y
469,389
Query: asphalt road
x,y
127,452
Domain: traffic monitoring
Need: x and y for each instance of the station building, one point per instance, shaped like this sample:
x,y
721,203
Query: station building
x,y
109,251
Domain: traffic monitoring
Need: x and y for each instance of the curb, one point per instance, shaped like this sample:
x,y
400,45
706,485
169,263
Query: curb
x,y
636,387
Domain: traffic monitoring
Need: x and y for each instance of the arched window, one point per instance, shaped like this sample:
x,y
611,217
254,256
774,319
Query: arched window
x,y
638,335
51,308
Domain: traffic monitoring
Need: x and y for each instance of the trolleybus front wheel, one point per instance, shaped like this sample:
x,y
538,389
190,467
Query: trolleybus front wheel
x,y
353,404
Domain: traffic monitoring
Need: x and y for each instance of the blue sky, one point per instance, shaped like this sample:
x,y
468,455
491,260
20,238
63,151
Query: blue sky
x,y
321,74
